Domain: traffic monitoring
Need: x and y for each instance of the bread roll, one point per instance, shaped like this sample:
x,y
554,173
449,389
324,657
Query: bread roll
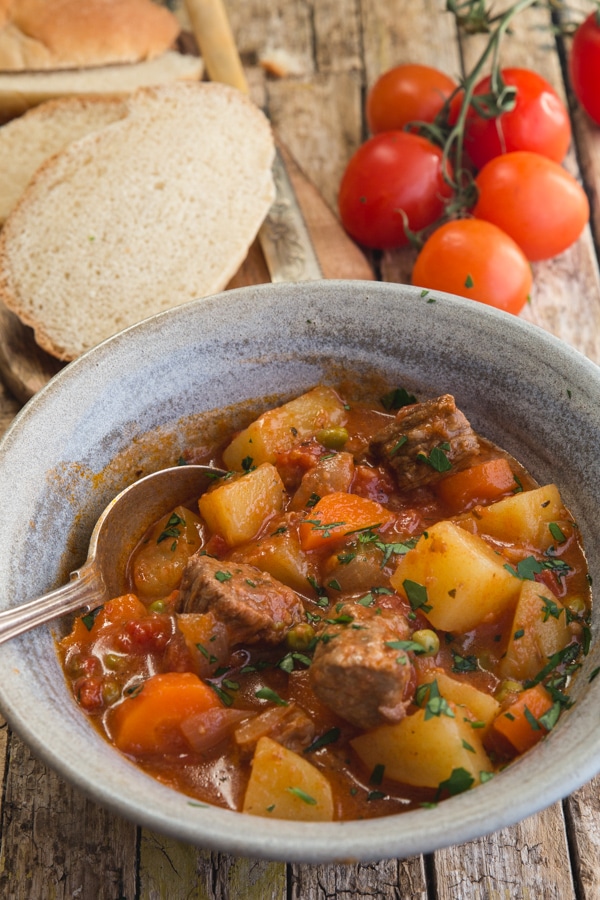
x,y
151,211
56,34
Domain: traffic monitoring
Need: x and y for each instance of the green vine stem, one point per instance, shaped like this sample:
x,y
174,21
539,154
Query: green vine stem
x,y
475,16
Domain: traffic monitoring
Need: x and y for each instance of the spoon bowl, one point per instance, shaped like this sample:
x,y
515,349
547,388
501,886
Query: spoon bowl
x,y
116,533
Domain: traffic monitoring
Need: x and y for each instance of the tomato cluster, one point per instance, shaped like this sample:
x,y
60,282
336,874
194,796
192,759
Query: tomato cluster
x,y
526,206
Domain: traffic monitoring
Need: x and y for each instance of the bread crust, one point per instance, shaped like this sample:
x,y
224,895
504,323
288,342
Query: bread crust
x,y
55,34
19,91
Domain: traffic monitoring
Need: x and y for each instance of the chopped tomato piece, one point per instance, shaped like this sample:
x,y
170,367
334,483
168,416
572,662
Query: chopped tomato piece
x,y
115,612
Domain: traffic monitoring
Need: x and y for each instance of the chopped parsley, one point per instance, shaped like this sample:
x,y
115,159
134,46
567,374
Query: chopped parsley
x,y
223,576
437,458
529,567
396,399
266,693
406,645
330,737
557,533
89,618
463,663
302,795
550,608
460,780
377,774
417,595
171,530
399,443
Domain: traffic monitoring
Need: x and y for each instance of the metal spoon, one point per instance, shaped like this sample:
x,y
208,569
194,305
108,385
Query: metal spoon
x,y
116,533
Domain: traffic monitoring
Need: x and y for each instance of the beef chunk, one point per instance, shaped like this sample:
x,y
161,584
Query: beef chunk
x,y
434,425
331,473
288,725
252,605
357,674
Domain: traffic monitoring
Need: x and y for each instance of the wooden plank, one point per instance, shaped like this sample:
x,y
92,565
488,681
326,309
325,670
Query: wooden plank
x,y
587,138
387,880
408,31
582,811
169,868
56,843
527,862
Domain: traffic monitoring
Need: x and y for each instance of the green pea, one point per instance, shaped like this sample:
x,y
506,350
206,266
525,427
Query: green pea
x,y
300,637
111,691
428,639
159,606
114,661
508,687
333,438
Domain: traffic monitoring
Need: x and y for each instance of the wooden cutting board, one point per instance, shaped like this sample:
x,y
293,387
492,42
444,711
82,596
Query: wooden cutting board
x,y
25,368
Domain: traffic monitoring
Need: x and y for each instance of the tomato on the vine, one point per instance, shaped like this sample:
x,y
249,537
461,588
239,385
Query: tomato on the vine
x,y
584,65
539,121
537,202
407,93
393,179
475,259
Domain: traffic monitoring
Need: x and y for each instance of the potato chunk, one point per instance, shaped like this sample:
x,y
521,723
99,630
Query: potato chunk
x,y
461,581
539,629
286,786
238,508
280,555
523,518
161,558
279,429
424,750
483,706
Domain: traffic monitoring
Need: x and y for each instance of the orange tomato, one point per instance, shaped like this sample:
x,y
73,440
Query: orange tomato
x,y
407,93
534,200
475,259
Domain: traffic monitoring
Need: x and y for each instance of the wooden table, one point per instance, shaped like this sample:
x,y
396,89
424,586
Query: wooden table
x,y
55,843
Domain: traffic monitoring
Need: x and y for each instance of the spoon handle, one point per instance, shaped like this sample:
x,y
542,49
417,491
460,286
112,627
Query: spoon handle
x,y
86,589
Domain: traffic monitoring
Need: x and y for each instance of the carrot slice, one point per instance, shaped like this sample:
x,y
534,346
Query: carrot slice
x,y
338,514
519,724
484,483
150,721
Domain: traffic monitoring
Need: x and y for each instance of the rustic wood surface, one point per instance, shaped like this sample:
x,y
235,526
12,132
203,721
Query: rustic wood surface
x,y
56,843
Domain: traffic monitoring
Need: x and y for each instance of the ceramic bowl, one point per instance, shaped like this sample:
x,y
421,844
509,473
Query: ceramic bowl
x,y
90,431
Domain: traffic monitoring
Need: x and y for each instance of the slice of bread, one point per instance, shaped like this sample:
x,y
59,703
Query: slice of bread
x,y
27,142
54,34
153,210
19,91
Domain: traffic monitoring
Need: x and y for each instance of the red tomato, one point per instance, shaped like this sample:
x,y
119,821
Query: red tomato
x,y
475,259
406,94
534,200
539,121
584,65
391,173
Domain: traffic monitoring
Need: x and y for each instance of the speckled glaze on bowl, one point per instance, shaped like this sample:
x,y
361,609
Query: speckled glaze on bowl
x,y
519,386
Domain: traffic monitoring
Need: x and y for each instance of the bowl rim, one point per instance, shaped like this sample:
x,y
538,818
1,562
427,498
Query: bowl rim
x,y
512,797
